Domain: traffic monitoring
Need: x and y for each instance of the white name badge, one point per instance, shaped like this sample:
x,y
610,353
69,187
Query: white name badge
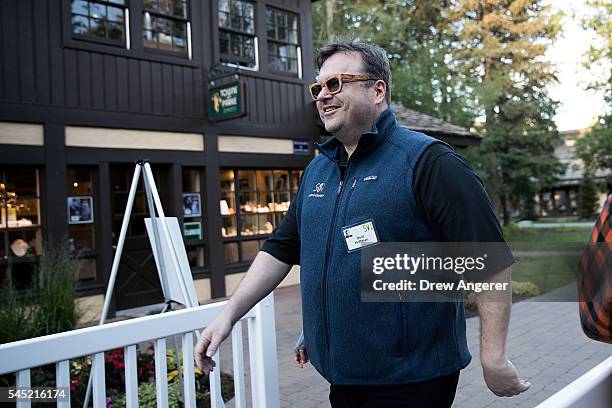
x,y
360,236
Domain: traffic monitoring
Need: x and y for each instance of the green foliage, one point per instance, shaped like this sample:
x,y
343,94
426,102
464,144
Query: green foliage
x,y
525,289
415,35
56,282
464,59
49,307
598,20
15,317
503,43
147,396
595,148
587,197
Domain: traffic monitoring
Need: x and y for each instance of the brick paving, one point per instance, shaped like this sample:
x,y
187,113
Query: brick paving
x,y
545,343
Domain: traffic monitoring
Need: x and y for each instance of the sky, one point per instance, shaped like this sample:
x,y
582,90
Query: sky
x,y
578,107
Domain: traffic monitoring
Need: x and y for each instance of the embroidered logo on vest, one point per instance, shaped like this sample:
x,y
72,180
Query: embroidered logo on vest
x,y
317,191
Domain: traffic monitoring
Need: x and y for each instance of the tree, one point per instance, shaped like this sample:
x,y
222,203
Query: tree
x,y
459,59
595,148
414,34
502,44
587,197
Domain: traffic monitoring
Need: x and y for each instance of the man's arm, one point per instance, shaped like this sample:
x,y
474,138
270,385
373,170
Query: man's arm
x,y
499,373
265,273
271,265
456,206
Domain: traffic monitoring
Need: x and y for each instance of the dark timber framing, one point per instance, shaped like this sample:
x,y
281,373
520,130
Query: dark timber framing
x,y
50,78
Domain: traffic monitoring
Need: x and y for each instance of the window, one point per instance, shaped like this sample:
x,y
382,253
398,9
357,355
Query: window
x,y
20,223
253,202
192,218
283,44
166,25
237,41
81,219
100,20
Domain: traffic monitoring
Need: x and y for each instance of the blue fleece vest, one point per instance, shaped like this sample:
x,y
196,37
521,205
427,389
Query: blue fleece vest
x,y
350,342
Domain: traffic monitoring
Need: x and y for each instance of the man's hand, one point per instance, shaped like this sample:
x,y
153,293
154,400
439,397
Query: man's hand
x,y
300,358
264,274
502,378
209,342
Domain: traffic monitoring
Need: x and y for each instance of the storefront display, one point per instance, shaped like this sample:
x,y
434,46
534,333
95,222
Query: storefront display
x,y
20,229
263,198
81,218
193,223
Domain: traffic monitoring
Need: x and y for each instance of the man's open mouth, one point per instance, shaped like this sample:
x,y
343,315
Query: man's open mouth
x,y
330,109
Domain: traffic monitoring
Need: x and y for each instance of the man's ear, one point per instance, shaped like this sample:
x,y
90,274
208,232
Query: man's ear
x,y
380,87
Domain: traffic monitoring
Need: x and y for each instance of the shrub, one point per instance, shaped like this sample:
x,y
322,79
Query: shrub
x,y
525,289
55,283
15,315
587,197
49,306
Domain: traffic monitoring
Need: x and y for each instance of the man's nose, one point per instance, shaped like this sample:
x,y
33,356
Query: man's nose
x,y
324,94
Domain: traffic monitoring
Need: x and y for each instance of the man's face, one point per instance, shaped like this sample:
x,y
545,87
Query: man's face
x,y
351,111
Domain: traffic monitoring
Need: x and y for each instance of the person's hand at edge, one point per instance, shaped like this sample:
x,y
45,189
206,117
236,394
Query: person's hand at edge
x,y
502,378
300,358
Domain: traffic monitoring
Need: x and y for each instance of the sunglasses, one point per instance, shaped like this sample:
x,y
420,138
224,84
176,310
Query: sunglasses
x,y
334,83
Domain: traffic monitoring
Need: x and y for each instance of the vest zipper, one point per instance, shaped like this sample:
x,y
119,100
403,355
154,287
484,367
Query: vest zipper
x,y
328,251
348,200
324,277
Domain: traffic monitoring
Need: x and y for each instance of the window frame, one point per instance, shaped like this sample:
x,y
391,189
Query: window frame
x,y
231,60
136,49
298,59
103,40
188,31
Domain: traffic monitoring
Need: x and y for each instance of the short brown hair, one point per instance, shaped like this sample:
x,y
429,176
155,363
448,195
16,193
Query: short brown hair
x,y
375,60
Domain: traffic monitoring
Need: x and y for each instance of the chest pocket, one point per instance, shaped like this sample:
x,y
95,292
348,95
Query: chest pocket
x,y
371,197
317,207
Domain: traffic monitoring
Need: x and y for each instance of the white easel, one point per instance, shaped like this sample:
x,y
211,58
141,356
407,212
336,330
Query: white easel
x,y
175,277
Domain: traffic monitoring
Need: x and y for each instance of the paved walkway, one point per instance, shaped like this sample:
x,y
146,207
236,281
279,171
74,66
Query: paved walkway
x,y
545,343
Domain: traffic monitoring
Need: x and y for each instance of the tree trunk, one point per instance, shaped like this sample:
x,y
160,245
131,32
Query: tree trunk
x,y
505,209
330,8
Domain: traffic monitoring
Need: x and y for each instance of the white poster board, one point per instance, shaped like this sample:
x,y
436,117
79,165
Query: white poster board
x,y
173,275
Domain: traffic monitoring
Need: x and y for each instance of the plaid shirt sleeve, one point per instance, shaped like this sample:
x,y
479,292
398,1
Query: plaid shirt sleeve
x,y
595,279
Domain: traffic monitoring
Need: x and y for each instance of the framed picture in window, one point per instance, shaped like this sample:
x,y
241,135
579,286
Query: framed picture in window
x,y
80,210
192,205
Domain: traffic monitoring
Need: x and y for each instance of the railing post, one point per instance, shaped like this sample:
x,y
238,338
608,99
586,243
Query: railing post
x,y
265,365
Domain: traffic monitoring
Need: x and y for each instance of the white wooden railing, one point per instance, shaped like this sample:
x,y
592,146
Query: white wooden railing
x,y
19,357
592,390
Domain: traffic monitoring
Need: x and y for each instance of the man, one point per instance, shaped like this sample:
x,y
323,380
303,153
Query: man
x,y
409,187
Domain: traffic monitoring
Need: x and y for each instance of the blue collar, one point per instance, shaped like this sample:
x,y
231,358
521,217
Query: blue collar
x,y
368,141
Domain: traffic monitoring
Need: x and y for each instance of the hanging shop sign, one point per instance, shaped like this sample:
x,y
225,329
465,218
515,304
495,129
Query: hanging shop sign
x,y
227,101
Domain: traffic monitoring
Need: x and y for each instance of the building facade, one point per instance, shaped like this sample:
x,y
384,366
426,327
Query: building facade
x,y
561,200
89,87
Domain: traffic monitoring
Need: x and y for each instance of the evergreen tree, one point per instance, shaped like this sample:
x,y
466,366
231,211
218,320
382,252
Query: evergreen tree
x,y
587,197
414,34
595,148
502,44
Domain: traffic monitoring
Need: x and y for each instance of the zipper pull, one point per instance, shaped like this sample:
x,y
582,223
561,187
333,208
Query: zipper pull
x,y
339,188
354,183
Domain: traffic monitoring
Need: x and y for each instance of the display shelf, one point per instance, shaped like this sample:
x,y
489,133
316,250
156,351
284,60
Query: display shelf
x,y
16,228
